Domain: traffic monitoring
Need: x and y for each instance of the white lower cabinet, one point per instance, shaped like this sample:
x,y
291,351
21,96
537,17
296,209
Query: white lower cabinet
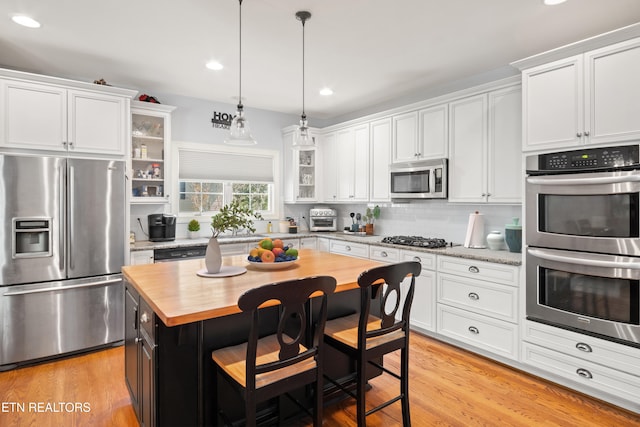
x,y
477,304
227,249
343,247
595,364
423,309
323,244
141,257
308,243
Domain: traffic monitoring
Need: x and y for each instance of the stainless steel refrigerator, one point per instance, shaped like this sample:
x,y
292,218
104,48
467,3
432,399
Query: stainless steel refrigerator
x,y
62,248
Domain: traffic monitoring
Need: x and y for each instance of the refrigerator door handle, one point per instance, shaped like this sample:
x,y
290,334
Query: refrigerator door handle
x,y
62,288
62,222
71,222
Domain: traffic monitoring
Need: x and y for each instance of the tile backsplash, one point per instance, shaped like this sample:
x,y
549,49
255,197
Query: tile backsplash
x,y
432,218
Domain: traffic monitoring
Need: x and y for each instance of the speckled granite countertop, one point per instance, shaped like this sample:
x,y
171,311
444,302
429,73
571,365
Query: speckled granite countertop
x,y
500,257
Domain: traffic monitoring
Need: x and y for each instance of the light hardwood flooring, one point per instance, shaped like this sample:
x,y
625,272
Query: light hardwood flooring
x,y
449,387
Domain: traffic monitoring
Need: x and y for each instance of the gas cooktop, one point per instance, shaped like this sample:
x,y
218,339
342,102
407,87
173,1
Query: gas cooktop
x,y
422,242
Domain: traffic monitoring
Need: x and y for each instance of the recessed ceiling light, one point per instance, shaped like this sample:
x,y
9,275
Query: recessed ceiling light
x,y
326,91
553,2
25,21
214,65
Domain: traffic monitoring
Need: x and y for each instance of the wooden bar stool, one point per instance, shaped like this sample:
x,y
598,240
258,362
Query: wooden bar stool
x,y
366,338
265,367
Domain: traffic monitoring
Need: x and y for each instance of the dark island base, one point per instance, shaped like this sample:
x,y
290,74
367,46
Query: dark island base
x,y
185,382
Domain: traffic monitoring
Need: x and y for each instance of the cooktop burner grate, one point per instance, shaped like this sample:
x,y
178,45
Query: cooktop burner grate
x,y
423,242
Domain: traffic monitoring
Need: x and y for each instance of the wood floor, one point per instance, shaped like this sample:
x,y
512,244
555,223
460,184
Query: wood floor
x,y
449,387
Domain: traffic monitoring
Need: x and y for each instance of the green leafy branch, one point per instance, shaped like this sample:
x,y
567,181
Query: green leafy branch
x,y
233,217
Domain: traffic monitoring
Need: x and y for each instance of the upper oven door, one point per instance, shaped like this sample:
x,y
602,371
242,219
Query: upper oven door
x,y
593,212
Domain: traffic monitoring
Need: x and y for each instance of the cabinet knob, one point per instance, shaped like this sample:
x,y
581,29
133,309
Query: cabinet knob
x,y
586,133
483,194
473,296
417,258
474,330
144,318
383,254
584,373
348,248
137,340
579,134
584,347
474,269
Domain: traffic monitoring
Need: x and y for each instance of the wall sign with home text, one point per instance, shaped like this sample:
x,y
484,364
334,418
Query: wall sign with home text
x,y
221,120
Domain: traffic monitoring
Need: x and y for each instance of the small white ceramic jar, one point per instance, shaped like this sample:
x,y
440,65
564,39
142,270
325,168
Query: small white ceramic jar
x,y
495,240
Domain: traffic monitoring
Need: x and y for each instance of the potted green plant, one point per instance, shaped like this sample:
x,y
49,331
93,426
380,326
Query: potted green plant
x,y
232,217
194,228
370,217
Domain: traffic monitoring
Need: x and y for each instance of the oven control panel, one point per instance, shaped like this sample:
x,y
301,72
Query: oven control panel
x,y
593,158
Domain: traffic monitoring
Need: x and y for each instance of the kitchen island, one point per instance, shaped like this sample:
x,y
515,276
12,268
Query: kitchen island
x,y
175,318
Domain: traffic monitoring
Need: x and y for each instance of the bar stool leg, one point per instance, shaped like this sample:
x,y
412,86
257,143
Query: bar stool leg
x,y
404,385
361,386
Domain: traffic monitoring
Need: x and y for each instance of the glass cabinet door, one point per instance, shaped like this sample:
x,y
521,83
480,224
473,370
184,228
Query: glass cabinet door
x,y
150,134
306,174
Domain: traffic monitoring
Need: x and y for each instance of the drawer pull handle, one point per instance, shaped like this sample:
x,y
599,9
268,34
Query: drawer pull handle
x,y
383,254
417,258
474,269
473,296
584,347
584,373
474,330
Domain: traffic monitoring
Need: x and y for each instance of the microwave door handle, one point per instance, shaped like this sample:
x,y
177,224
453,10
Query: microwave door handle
x,y
584,181
583,259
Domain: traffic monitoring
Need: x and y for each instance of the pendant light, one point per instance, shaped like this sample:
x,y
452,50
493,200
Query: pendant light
x,y
302,138
239,131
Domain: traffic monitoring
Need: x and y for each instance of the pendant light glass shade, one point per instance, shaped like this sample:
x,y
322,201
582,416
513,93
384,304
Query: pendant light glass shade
x,y
302,138
239,131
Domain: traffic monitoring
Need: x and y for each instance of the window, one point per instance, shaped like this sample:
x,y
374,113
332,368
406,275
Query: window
x,y
207,197
210,177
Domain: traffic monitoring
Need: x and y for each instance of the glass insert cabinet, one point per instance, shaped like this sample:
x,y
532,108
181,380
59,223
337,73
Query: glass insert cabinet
x,y
300,171
150,138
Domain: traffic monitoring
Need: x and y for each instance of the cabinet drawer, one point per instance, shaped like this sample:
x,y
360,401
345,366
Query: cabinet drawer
x,y
478,296
349,248
586,373
427,260
595,350
384,254
493,335
500,273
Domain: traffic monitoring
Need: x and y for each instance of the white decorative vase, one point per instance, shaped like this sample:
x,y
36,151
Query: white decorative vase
x,y
213,257
495,240
194,234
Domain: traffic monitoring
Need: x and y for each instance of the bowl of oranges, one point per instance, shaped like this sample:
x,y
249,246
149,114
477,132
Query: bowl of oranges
x,y
272,254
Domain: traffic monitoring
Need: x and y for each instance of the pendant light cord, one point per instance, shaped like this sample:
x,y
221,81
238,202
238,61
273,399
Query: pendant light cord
x,y
240,60
304,115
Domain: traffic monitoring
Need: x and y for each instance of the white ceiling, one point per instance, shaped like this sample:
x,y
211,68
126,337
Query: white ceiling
x,y
368,51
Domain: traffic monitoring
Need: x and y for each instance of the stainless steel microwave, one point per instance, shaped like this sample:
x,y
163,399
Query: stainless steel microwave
x,y
423,179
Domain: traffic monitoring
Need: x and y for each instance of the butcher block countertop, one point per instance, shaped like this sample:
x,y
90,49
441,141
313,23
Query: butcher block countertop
x,y
179,296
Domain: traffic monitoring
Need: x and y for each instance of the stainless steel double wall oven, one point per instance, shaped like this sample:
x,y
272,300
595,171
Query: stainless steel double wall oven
x,y
583,241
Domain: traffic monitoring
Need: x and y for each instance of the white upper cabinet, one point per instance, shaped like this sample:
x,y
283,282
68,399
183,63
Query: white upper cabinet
x,y
301,169
589,98
420,135
380,157
433,136
51,117
405,137
151,152
468,147
485,164
352,160
329,173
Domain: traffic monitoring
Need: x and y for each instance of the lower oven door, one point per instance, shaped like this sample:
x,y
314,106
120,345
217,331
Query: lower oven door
x,y
592,293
